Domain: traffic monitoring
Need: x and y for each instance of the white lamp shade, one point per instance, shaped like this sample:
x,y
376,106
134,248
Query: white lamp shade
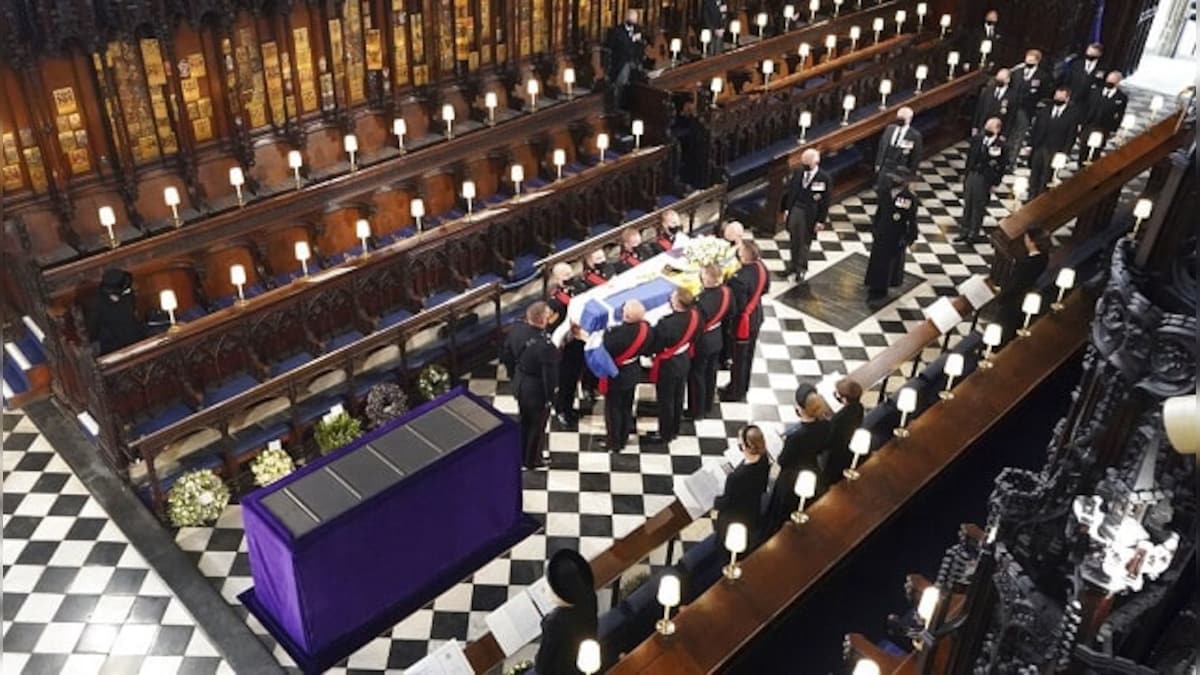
x,y
706,36
735,26
1142,209
866,667
108,217
922,72
400,127
236,177
1129,121
928,603
1020,186
416,208
302,251
362,228
922,8
952,58
945,22
848,102
489,100
668,590
768,67
954,365
885,87
676,45
804,50
761,20
337,409
906,400
814,5
171,196
789,12
588,660
1065,279
447,113
1032,304
168,301
295,161
855,32
901,16
860,442
560,157
569,76
716,85
350,142
877,24
532,87
830,41
806,484
1095,139
637,128
1181,418
602,142
237,275
1058,161
735,538
517,173
985,47
1156,104
993,334
806,119
468,189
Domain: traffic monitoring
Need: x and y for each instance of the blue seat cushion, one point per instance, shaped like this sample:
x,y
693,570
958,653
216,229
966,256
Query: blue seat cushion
x,y
666,200
423,357
31,347
634,214
599,228
841,162
162,419
753,161
484,279
524,266
257,437
227,300
392,318
339,341
15,377
290,363
439,298
190,314
564,244
315,408
229,388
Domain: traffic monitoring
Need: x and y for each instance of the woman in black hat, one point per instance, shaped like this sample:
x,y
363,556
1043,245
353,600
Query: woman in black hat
x,y
574,620
800,451
112,321
894,229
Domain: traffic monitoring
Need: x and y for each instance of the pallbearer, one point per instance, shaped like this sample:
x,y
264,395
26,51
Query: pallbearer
x,y
532,363
625,344
596,268
750,285
564,285
664,237
631,242
673,338
716,305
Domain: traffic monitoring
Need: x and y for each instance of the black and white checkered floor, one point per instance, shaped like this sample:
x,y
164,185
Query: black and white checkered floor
x,y
75,592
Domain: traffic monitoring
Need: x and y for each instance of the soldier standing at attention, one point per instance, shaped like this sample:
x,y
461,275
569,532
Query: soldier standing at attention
x,y
532,363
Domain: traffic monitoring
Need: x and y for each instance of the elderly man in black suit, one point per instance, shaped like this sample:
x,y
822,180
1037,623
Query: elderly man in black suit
x,y
626,52
1084,74
1054,130
997,99
899,149
806,208
987,162
1105,109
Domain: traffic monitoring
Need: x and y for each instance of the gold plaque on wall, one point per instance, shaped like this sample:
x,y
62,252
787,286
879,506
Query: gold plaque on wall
x,y
64,100
196,64
202,128
485,30
37,172
420,75
66,140
418,40
205,107
62,122
156,74
10,176
75,120
81,138
374,38
400,43
191,91
79,161
9,143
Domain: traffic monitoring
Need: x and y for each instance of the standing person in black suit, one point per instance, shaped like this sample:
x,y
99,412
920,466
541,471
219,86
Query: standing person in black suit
x,y
112,321
741,501
806,208
673,338
987,162
1084,75
564,285
574,620
843,424
1032,81
998,99
894,229
988,29
714,14
899,148
716,304
625,343
801,450
532,363
1054,131
626,52
1105,110
1023,278
750,285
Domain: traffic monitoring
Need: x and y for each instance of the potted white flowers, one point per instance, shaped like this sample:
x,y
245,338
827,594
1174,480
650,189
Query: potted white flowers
x,y
197,498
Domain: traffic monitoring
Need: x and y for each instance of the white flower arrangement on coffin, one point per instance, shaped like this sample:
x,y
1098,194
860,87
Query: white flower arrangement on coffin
x,y
197,498
707,250
271,465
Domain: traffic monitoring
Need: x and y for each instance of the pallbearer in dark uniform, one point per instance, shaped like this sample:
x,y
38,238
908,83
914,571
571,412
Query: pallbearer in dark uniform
x,y
596,268
1105,110
532,363
664,236
806,208
741,501
899,148
998,99
673,337
716,304
563,286
631,256
574,620
987,162
750,285
894,229
1054,130
625,343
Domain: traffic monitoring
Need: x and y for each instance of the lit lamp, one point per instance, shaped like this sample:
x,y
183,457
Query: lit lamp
x,y
885,88
927,605
169,303
1065,281
637,128
877,27
237,277
362,230
1156,106
860,445
468,193
295,161
806,487
1031,305
705,38
735,543
945,24
1141,211
866,667
768,67
735,29
588,661
803,51
1020,190
837,7
922,74
1058,162
901,17
399,128
805,124
569,80
171,197
761,22
1095,141
992,335
489,102
602,145
532,88
448,118
847,108
922,10
108,219
906,403
985,48
952,369
1128,122
951,61
716,86
517,174
668,597
789,15
855,34
814,6
830,45
416,208
237,179
303,253
560,160
350,143
676,47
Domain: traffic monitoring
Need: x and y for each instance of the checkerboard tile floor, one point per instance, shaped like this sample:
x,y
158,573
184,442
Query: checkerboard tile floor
x,y
77,597
587,499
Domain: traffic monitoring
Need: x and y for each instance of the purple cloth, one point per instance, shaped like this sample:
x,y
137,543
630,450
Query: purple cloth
x,y
395,551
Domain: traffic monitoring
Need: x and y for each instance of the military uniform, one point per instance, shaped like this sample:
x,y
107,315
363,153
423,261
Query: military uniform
x,y
673,338
749,286
625,344
571,367
807,204
716,304
987,162
532,363
894,229
899,149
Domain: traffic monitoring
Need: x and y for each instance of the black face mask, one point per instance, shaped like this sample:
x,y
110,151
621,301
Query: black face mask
x,y
1030,64
1058,102
990,134
1093,58
990,23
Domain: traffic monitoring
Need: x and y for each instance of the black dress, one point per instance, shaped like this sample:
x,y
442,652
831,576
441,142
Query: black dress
x,y
742,499
894,228
562,631
800,451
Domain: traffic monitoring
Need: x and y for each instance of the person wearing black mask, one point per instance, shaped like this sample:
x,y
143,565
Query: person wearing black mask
x,y
1006,308
1032,80
843,424
894,229
570,578
899,148
807,208
1084,75
664,236
1054,131
998,99
596,268
626,52
741,501
988,30
713,16
801,450
987,162
532,363
1105,109
112,321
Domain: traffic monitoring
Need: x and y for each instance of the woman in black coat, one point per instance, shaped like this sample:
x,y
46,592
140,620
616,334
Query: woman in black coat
x,y
894,229
744,488
801,449
574,620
